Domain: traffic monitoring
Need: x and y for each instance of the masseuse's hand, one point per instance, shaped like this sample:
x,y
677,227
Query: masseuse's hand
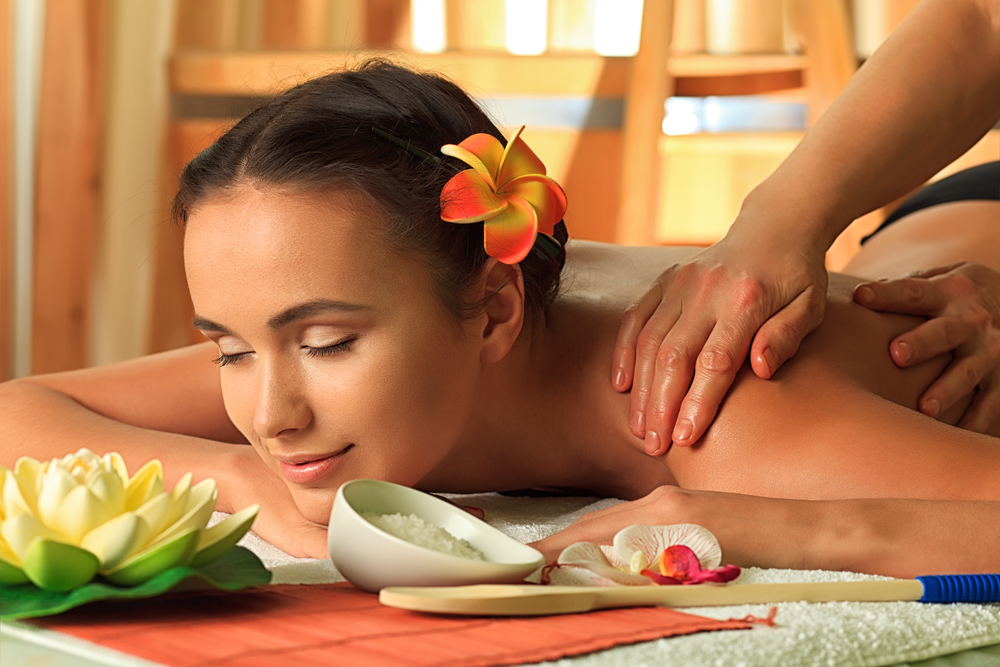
x,y
962,302
680,346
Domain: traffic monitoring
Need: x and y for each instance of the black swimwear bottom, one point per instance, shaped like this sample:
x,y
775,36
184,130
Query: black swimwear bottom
x,y
976,183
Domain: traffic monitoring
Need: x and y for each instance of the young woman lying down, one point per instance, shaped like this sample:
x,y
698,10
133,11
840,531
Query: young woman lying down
x,y
365,322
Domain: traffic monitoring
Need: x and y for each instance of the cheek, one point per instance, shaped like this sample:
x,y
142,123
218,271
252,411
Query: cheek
x,y
238,396
418,400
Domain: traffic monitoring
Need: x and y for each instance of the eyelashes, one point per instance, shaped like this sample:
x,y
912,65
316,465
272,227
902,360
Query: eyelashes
x,y
226,359
328,351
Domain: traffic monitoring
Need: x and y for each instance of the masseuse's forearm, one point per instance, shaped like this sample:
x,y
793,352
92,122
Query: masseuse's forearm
x,y
43,423
926,96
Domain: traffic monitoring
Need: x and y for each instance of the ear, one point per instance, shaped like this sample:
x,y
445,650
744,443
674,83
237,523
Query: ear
x,y
503,295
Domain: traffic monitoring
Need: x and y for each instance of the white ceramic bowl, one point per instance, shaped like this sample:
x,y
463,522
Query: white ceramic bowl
x,y
372,559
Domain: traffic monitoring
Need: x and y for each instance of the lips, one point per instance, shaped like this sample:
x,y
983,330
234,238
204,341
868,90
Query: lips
x,y
305,470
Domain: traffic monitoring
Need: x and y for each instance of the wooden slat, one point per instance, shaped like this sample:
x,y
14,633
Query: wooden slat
x,y
689,27
170,320
738,84
198,72
70,128
571,25
294,24
248,73
207,24
387,24
346,25
825,33
6,202
476,25
650,84
698,65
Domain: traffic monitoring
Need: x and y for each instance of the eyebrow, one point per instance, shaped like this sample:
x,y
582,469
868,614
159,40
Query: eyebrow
x,y
293,314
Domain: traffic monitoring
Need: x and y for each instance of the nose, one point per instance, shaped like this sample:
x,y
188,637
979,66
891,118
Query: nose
x,y
282,408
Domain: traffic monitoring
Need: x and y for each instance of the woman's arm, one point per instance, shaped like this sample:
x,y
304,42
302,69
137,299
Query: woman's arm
x,y
920,101
166,406
897,538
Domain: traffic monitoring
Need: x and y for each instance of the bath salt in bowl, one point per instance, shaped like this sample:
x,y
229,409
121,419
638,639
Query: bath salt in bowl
x,y
458,549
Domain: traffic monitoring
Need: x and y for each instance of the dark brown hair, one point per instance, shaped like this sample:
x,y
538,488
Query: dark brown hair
x,y
321,135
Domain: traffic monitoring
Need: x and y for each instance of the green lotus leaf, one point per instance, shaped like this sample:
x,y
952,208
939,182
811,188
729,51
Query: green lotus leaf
x,y
147,564
57,566
224,535
237,569
10,574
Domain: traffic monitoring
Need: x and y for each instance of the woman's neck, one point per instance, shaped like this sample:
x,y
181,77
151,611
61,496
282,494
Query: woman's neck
x,y
547,415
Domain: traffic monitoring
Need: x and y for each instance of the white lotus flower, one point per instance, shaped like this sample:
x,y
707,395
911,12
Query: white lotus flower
x,y
67,520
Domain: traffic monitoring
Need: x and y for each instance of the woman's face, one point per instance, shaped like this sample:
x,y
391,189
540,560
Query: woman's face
x,y
338,359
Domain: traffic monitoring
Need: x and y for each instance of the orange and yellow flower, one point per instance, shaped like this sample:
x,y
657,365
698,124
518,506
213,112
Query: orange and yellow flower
x,y
507,189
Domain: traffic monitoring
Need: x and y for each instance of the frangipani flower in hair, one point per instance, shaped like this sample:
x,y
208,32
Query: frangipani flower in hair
x,y
507,189
646,555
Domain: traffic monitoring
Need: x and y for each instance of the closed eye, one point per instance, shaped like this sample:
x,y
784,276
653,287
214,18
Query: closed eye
x,y
226,359
329,350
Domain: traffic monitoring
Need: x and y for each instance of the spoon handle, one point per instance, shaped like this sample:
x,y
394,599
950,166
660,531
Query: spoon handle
x,y
528,600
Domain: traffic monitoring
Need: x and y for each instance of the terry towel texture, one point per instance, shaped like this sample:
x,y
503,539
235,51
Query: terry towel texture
x,y
824,635
827,635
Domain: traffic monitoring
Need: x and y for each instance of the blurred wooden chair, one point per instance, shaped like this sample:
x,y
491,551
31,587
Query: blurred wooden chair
x,y
227,57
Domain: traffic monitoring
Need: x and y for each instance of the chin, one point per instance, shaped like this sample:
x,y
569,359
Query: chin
x,y
315,504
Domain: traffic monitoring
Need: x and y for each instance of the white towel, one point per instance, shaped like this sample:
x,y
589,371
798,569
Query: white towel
x,y
828,635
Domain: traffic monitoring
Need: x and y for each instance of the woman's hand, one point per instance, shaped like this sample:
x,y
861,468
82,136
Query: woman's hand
x,y
962,302
680,346
247,481
751,530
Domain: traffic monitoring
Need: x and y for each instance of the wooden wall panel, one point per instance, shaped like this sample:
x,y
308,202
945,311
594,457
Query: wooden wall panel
x,y
295,24
6,201
650,83
387,24
172,312
207,24
69,143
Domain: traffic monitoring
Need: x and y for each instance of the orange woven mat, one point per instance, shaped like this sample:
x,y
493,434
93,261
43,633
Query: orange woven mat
x,y
339,624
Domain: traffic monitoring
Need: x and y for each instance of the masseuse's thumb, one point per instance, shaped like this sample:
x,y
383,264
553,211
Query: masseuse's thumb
x,y
779,338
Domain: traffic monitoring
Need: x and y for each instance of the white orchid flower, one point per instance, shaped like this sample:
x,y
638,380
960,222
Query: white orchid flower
x,y
67,520
645,555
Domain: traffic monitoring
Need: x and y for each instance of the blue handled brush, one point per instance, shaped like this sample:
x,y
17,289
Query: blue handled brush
x,y
530,600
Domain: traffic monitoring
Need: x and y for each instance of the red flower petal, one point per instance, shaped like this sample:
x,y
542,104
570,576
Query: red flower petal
x,y
661,579
719,574
544,194
468,198
680,562
509,235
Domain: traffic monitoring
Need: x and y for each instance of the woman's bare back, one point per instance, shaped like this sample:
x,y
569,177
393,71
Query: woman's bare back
x,y
838,421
